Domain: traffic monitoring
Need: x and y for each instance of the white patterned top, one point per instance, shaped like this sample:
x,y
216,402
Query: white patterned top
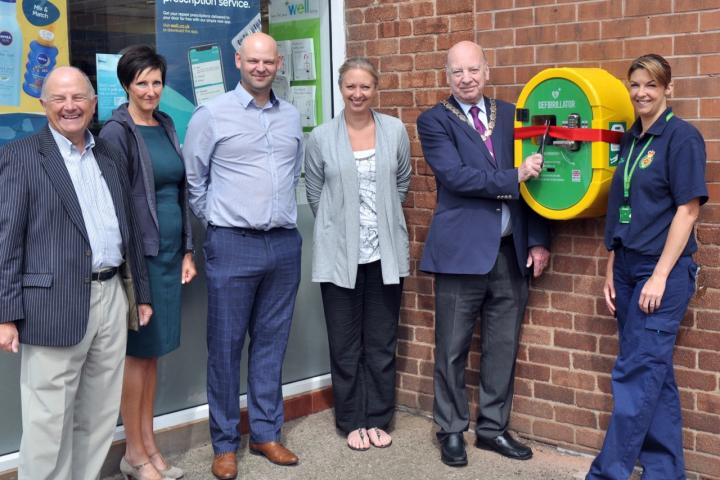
x,y
369,240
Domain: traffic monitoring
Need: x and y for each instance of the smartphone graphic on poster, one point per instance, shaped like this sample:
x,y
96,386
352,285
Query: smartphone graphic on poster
x,y
206,71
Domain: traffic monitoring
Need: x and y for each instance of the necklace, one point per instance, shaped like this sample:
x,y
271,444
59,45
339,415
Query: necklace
x,y
491,121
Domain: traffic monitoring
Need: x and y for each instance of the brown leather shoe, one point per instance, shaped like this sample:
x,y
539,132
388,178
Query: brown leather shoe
x,y
275,452
224,466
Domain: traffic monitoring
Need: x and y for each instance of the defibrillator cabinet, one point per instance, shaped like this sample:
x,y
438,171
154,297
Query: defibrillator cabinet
x,y
576,117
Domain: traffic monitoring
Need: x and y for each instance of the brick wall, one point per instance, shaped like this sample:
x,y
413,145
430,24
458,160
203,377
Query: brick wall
x,y
568,341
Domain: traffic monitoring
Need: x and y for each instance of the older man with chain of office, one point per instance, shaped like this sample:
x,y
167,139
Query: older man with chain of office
x,y
483,245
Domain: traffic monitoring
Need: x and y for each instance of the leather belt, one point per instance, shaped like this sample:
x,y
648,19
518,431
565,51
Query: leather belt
x,y
103,275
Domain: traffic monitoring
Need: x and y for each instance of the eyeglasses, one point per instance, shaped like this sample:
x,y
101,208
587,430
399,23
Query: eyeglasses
x,y
459,72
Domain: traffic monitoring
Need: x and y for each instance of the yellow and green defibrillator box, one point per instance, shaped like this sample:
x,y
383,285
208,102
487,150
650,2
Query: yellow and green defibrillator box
x,y
581,113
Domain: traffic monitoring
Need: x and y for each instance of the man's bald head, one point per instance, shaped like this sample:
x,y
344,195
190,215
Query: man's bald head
x,y
467,71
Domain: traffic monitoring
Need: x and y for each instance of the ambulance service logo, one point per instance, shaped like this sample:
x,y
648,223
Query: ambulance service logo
x,y
645,162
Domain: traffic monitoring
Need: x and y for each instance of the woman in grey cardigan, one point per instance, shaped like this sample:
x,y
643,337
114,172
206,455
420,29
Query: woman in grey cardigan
x,y
357,169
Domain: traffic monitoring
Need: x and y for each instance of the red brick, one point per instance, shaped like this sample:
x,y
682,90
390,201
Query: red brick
x,y
550,319
709,402
396,63
575,416
532,371
416,9
381,14
573,303
497,38
354,16
673,24
599,10
701,421
619,28
556,14
554,431
462,22
536,35
421,352
608,345
379,48
417,44
548,356
709,64
556,394
407,365
445,41
575,380
417,318
578,32
432,25
710,21
532,407
514,18
704,464
595,324
640,46
556,54
554,282
593,362
515,55
695,5
536,335
363,32
709,361
395,29
576,265
589,438
685,357
445,7
706,443
594,401
698,339
647,8
575,341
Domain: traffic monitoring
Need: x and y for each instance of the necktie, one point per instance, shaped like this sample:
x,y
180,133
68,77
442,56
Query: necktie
x,y
474,110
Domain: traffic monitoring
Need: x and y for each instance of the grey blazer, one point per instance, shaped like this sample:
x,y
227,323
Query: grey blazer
x,y
334,196
45,257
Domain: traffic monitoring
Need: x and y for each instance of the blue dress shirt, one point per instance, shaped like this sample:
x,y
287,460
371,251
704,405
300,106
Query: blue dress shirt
x,y
243,161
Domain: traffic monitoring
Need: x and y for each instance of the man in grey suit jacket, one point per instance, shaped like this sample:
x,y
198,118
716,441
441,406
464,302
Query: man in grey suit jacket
x,y
66,225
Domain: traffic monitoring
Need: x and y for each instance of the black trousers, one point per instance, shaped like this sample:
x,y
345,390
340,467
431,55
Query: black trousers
x,y
499,298
362,332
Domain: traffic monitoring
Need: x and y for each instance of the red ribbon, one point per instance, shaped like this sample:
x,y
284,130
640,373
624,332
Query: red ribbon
x,y
576,134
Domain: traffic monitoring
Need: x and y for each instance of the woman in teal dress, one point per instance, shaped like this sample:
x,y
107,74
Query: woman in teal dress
x,y
157,175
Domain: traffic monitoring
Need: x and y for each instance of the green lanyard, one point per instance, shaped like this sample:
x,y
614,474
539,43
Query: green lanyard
x,y
628,177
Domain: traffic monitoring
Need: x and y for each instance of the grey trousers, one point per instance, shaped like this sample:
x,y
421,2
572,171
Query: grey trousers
x,y
499,299
71,395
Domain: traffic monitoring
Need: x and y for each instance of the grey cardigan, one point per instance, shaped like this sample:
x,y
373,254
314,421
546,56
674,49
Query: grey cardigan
x,y
334,196
121,131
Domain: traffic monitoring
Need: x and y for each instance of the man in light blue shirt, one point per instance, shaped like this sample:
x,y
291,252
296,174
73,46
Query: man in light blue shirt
x,y
243,153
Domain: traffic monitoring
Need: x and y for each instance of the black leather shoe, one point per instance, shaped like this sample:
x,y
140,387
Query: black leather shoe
x,y
452,450
506,446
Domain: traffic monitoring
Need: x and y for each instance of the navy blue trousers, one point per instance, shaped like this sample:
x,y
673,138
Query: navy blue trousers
x,y
646,423
253,278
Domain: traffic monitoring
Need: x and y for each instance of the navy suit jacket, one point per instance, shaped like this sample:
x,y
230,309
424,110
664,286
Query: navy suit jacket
x,y
465,233
45,256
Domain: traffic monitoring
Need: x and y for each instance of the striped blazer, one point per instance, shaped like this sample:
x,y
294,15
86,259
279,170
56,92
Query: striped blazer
x,y
45,256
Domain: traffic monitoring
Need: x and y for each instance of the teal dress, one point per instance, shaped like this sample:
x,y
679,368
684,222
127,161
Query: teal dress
x,y
162,334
